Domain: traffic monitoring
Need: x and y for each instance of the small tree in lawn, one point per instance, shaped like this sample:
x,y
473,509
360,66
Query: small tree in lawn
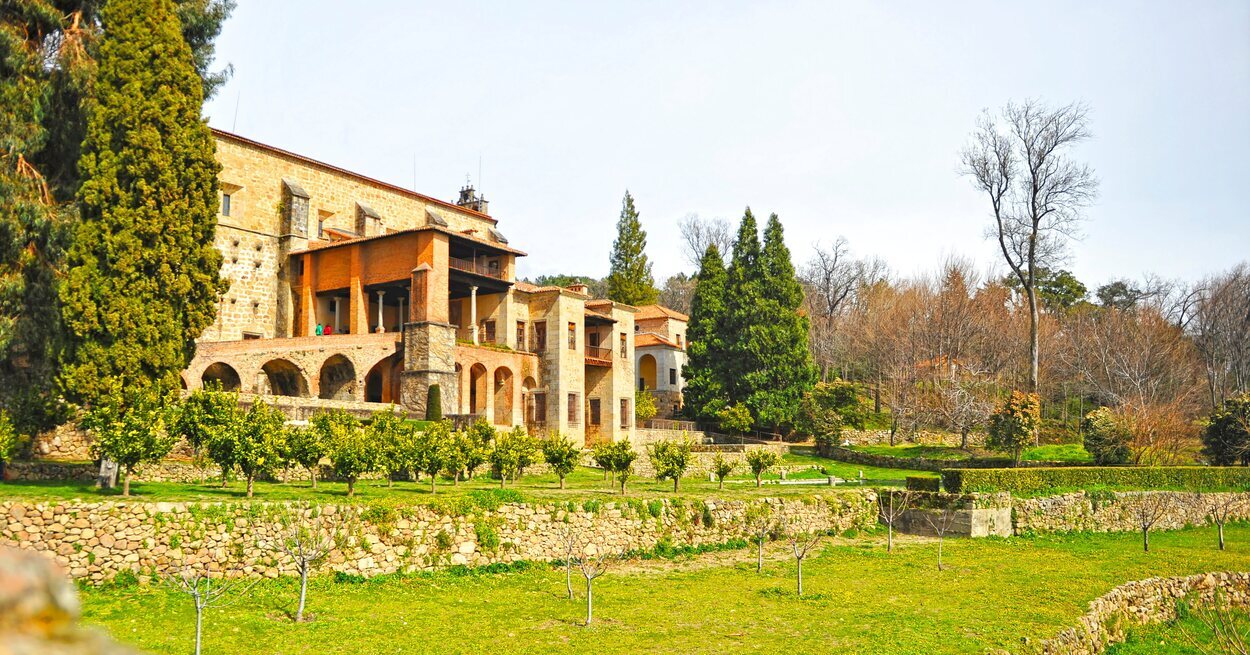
x,y
349,450
722,467
259,441
471,451
483,432
1148,508
593,563
387,430
130,429
620,457
205,590
760,460
735,419
644,407
307,535
891,505
433,448
670,459
759,522
941,521
1220,507
203,416
602,454
561,456
305,447
434,403
1013,424
460,450
513,452
802,541
571,537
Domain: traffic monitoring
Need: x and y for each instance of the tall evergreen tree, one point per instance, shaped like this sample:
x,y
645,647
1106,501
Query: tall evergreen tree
x,y
47,62
142,279
705,352
630,281
786,369
742,320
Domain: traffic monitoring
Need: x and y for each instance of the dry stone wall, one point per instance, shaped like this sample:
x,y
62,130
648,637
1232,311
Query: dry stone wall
x,y
922,437
1141,602
1114,512
95,541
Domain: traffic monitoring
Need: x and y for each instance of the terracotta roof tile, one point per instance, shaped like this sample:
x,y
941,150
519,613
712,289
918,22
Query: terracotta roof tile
x,y
651,339
659,311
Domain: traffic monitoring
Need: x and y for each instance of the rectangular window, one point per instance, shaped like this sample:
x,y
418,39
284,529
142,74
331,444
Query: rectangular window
x,y
672,376
625,412
679,342
225,204
572,409
592,339
488,328
520,336
247,336
540,408
595,415
321,227
572,336
624,346
540,337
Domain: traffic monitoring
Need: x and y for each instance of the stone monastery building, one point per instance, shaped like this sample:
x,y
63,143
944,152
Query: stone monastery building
x,y
348,291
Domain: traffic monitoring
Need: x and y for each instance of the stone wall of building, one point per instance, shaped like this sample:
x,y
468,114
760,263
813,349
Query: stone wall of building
x,y
1142,602
95,541
1114,512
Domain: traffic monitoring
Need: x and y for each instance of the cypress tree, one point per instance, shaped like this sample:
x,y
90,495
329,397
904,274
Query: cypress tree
x,y
630,281
785,367
743,318
705,353
142,280
434,403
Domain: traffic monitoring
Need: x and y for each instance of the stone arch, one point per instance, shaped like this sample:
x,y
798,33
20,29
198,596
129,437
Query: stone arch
x,y
647,372
382,381
478,389
223,374
502,388
337,379
284,379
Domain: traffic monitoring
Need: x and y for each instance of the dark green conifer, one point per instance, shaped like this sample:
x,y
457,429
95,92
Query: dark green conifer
x,y
705,351
630,280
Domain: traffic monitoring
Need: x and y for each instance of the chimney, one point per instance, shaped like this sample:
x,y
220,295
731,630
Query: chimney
x,y
579,288
470,200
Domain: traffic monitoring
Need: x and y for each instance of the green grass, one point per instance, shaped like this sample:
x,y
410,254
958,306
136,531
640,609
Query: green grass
x,y
1049,453
1169,638
584,483
994,593
1069,452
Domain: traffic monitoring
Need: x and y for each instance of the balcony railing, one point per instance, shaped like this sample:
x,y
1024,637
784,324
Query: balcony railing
x,y
470,266
598,356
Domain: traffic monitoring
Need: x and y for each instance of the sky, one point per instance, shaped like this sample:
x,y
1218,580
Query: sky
x,y
845,119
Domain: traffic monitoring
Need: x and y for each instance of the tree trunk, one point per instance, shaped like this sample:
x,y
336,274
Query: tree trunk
x,y
889,537
1145,539
1220,527
312,472
303,591
126,482
722,484
963,439
455,479
676,479
1034,338
568,575
622,486
800,563
351,487
433,481
759,554
503,479
390,480
562,482
759,480
590,601
199,626
251,477
940,540
224,477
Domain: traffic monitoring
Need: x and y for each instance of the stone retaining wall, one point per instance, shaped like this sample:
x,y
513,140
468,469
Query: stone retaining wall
x,y
935,465
923,437
1141,602
1113,512
95,541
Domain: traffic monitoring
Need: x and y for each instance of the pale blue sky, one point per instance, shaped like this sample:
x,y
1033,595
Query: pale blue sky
x,y
844,118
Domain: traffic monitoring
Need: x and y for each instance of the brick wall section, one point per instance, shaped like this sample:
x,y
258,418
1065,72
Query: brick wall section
x,y
95,541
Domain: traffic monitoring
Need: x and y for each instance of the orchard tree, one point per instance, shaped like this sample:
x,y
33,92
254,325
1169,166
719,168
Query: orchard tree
x,y
305,447
259,441
513,452
204,417
433,450
349,450
618,457
891,505
644,406
736,419
760,460
307,535
1013,424
802,541
630,280
386,429
142,279
470,452
760,522
705,351
1022,162
130,429
561,456
722,467
670,459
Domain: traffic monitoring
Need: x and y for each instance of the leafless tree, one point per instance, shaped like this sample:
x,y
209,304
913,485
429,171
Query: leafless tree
x,y
698,233
571,536
1219,325
891,505
1036,191
593,563
802,541
1229,631
677,292
962,407
759,522
1220,507
207,590
1148,508
941,521
307,536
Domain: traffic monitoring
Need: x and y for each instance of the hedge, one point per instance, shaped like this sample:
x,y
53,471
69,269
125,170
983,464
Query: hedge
x,y
917,483
1033,481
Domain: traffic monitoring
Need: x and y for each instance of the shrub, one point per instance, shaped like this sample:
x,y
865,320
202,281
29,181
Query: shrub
x,y
305,447
1035,481
644,407
1012,425
1107,437
830,406
434,403
11,443
1226,439
917,483
670,459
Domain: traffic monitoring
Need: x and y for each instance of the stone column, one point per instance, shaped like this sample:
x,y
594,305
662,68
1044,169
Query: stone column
x,y
381,298
473,312
338,304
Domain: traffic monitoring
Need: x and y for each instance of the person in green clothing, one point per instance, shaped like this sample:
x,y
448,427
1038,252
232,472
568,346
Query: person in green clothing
x,y
320,330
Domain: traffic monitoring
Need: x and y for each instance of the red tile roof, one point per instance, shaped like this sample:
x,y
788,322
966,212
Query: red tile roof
x,y
646,312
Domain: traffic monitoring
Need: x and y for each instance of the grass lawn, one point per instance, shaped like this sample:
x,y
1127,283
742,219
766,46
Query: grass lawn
x,y
1049,453
1169,638
581,484
859,600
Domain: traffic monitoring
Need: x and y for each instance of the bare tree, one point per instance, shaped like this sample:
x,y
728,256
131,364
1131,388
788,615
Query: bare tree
x,y
1219,325
1036,191
570,536
802,541
891,505
307,536
1148,508
1229,632
941,521
759,522
677,292
698,233
207,591
962,407
593,563
1220,507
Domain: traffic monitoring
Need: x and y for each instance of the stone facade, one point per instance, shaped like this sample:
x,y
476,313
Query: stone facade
x,y
97,540
660,355
1111,512
1141,602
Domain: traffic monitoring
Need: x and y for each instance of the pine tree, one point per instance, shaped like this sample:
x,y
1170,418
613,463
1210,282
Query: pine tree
x,y
630,281
786,370
743,319
142,280
705,353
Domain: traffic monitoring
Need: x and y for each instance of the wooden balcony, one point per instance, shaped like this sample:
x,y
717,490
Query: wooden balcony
x,y
596,356
470,266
